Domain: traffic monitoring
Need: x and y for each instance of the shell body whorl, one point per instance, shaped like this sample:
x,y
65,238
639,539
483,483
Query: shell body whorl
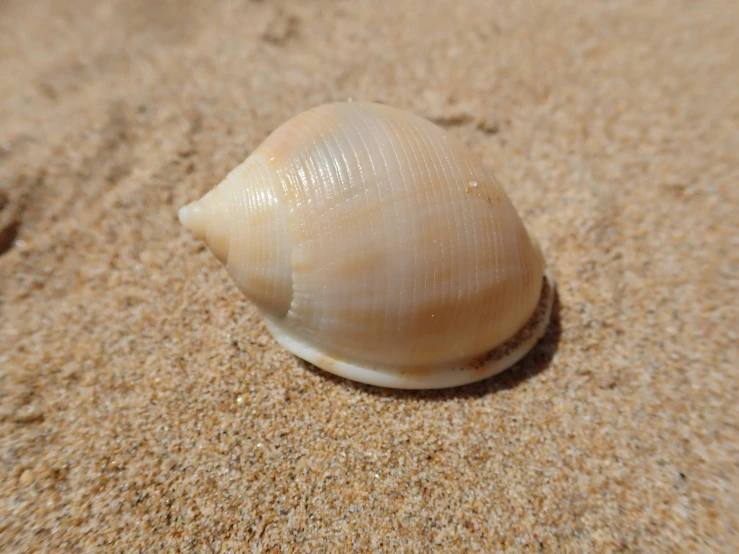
x,y
376,246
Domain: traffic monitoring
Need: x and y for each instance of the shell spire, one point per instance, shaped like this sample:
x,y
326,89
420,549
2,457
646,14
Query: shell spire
x,y
243,224
207,219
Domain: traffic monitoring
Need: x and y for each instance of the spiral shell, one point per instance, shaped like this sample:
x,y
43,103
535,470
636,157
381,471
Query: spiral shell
x,y
378,248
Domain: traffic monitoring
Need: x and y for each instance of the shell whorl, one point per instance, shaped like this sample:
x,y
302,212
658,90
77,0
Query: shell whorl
x,y
374,236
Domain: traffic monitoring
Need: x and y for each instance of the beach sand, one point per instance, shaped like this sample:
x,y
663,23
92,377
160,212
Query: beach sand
x,y
143,404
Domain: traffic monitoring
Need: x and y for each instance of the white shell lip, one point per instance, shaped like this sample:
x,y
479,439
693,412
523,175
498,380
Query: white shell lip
x,y
491,363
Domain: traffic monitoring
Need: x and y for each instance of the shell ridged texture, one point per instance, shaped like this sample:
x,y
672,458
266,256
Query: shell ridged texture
x,y
377,238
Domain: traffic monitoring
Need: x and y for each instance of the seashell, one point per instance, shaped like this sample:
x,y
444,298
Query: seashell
x,y
379,248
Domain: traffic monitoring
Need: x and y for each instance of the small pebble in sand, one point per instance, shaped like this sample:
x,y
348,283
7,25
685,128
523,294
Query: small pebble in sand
x,y
26,478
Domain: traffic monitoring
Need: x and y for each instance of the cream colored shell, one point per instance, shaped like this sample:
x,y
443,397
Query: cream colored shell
x,y
378,248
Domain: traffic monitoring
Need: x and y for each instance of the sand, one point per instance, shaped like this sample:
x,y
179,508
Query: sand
x,y
143,405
